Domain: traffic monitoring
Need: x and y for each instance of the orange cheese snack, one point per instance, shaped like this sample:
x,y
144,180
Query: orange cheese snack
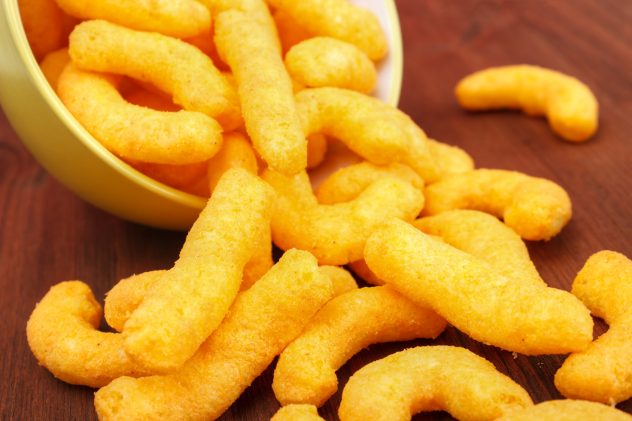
x,y
259,325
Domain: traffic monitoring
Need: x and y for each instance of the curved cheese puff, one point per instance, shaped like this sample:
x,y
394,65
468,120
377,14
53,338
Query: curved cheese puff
x,y
338,19
297,413
170,64
316,150
306,370
265,90
236,152
360,268
321,61
603,372
260,324
374,130
430,378
450,159
188,303
569,105
335,234
205,43
341,280
255,9
513,314
485,237
139,95
63,335
290,32
128,293
478,234
43,25
536,208
53,65
349,182
567,410
176,176
133,132
176,18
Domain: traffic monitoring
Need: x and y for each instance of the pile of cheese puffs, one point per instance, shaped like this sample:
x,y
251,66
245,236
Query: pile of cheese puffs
x,y
235,100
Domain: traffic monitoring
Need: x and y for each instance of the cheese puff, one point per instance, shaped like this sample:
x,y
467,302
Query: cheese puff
x,y
478,234
63,335
316,150
360,268
430,378
567,410
290,32
133,132
186,305
322,61
536,208
179,18
514,314
306,370
176,176
259,325
255,9
341,280
372,129
450,159
128,293
335,234
348,182
236,152
569,105
204,42
603,372
265,91
42,21
338,19
297,413
170,64
485,237
53,64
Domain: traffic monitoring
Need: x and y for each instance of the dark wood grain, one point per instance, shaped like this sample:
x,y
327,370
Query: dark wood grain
x,y
48,235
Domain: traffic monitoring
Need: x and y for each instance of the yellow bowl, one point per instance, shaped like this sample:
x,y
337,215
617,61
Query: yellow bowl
x,y
67,151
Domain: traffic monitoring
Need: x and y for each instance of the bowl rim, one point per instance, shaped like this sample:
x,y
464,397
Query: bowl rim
x,y
18,34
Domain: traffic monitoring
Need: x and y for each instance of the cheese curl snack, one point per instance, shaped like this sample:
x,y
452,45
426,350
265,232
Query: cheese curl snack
x,y
513,314
316,150
63,335
374,130
321,61
536,208
483,236
53,65
430,378
479,234
335,234
349,182
567,410
338,19
341,280
603,372
186,304
265,90
133,132
450,159
179,18
297,413
236,152
290,32
569,105
43,25
170,64
306,370
260,324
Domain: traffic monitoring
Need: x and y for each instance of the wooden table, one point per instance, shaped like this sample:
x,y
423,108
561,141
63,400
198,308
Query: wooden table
x,y
48,235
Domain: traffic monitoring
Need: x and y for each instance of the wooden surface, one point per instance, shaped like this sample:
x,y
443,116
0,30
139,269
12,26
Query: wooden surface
x,y
48,235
